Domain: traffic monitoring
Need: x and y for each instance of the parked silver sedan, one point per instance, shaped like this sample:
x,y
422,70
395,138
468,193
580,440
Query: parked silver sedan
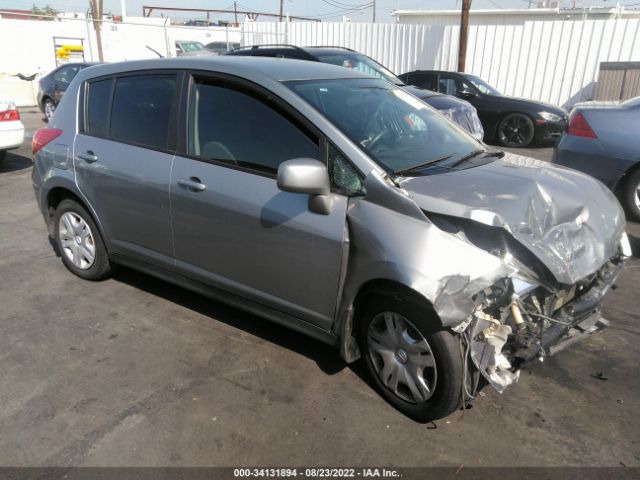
x,y
603,140
336,204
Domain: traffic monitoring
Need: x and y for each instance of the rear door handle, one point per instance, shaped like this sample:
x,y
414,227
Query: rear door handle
x,y
88,156
192,184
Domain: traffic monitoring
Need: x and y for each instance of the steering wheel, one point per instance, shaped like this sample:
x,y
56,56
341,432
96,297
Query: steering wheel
x,y
371,144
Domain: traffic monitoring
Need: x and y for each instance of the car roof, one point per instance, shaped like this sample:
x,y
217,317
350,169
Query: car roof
x,y
331,51
280,69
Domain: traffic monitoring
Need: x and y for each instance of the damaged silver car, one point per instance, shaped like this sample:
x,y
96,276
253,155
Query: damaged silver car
x,y
336,204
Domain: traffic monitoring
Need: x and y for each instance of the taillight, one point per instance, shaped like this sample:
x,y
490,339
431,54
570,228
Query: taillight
x,y
579,127
9,115
42,137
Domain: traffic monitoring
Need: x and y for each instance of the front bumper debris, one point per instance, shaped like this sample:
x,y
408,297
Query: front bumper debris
x,y
509,330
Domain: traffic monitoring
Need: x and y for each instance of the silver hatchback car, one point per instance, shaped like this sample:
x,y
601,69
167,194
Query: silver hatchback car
x,y
336,204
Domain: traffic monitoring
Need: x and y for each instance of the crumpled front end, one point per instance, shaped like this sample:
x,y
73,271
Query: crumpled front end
x,y
517,320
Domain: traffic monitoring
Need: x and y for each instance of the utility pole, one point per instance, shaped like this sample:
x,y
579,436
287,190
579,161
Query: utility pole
x,y
373,6
96,14
235,12
281,9
464,30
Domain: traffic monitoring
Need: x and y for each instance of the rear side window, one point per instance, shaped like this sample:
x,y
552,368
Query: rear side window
x,y
98,96
142,107
238,127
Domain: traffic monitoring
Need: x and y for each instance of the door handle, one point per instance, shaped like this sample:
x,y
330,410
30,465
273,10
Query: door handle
x,y
192,184
88,156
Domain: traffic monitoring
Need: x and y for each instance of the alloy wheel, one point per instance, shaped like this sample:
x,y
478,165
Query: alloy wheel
x,y
402,357
636,198
516,131
49,109
76,240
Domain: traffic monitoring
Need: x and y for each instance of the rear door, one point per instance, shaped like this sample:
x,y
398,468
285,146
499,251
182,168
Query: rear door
x,y
233,228
123,157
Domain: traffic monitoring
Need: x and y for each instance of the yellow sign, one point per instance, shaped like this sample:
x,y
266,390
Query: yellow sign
x,y
64,52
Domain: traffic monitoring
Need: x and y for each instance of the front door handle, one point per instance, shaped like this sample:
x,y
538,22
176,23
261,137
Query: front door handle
x,y
192,184
88,156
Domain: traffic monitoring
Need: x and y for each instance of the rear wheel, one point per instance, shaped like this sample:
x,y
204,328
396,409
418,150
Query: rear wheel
x,y
516,130
631,196
49,108
415,364
79,242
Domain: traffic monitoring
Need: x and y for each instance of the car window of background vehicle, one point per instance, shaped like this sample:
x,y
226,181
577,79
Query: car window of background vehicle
x,y
234,126
142,108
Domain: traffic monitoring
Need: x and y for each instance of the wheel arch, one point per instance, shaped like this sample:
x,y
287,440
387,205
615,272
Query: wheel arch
x,y
57,195
349,349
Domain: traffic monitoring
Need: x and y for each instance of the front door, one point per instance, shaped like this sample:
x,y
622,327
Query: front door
x,y
233,227
123,162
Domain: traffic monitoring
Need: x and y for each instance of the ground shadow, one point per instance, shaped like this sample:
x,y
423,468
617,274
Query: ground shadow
x,y
14,161
326,357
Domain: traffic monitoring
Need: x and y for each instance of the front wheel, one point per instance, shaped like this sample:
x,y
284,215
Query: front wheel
x,y
631,196
79,242
415,364
516,130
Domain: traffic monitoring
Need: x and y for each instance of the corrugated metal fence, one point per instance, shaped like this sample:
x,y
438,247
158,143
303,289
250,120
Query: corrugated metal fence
x,y
555,61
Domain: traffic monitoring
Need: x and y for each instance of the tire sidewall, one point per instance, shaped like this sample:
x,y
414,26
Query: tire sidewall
x,y
101,265
516,114
446,352
629,194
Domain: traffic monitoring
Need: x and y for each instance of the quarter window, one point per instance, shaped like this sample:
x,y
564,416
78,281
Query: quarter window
x,y
241,128
141,112
98,96
343,175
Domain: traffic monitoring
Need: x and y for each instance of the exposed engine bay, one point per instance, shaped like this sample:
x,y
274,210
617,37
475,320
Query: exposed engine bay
x,y
516,321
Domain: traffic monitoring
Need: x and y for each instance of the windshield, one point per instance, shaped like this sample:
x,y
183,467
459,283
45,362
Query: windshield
x,y
394,128
360,63
483,86
191,46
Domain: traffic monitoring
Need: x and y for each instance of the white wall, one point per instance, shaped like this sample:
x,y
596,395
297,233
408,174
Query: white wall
x,y
28,46
555,61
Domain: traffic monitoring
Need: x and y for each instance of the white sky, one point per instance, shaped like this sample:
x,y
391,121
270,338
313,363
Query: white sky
x,y
328,10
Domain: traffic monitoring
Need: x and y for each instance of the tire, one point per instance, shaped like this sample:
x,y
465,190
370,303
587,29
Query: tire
x,y
49,108
79,242
443,370
3,154
516,130
631,196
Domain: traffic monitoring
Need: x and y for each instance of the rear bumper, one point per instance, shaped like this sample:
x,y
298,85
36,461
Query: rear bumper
x,y
588,156
11,135
548,132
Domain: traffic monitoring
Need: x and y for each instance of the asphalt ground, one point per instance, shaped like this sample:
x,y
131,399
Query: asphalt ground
x,y
133,371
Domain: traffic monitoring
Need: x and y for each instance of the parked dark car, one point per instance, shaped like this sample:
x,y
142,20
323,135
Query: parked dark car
x,y
52,86
603,140
459,111
335,204
513,122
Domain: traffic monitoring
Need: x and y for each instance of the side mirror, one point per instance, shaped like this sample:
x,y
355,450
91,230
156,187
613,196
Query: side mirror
x,y
306,175
466,93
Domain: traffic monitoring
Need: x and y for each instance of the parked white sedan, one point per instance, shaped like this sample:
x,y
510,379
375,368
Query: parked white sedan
x,y
11,128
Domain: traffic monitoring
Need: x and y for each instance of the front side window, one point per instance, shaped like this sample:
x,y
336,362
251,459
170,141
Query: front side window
x,y
142,108
98,96
450,85
483,86
397,130
236,126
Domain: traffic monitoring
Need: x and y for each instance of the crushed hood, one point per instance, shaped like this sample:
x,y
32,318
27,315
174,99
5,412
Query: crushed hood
x,y
570,221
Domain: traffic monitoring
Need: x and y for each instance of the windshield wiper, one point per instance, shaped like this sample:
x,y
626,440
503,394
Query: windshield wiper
x,y
475,153
423,165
